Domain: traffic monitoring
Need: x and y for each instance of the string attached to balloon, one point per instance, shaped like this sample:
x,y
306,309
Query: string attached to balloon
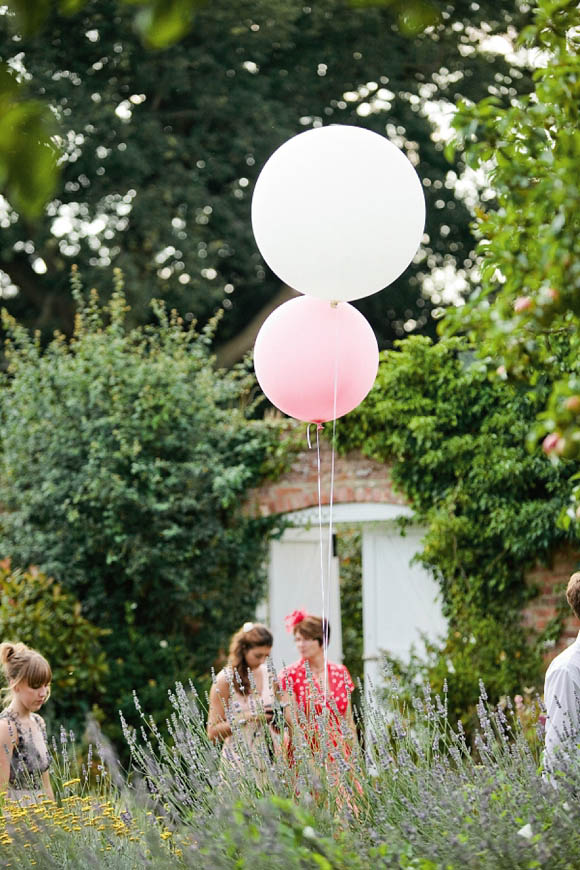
x,y
330,507
321,551
338,213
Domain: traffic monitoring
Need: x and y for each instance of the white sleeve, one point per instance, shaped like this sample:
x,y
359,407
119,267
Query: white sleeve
x,y
562,698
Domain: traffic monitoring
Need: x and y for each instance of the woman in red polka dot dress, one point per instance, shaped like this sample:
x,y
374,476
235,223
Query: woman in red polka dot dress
x,y
305,681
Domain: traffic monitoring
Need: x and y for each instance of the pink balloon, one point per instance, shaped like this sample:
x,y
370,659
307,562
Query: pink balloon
x,y
306,348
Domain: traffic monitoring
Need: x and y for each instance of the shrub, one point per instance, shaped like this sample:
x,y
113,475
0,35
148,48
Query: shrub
x,y
124,463
36,610
456,441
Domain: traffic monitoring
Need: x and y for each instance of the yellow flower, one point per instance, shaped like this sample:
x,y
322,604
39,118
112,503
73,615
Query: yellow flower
x,y
165,835
70,782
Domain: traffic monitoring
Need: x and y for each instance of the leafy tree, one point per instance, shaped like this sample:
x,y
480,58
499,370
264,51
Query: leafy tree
x,y
456,439
526,315
32,606
161,149
158,22
29,173
124,462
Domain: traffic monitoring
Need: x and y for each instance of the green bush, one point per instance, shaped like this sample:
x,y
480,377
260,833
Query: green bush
x,y
350,559
36,610
456,441
124,464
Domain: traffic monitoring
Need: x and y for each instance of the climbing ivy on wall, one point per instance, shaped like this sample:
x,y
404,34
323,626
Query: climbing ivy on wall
x,y
456,439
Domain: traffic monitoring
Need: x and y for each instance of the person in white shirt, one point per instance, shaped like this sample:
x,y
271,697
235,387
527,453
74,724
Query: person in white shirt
x,y
562,696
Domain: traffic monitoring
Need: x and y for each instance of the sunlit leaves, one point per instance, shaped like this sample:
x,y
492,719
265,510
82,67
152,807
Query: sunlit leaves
x,y
28,157
160,22
163,22
526,317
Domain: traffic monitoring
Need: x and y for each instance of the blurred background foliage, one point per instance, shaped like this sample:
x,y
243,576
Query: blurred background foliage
x,y
125,460
349,552
38,611
159,150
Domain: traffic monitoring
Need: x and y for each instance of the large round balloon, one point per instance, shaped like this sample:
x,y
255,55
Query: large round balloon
x,y
338,212
315,361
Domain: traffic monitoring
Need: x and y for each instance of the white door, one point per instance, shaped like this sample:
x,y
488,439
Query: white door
x,y
295,582
400,600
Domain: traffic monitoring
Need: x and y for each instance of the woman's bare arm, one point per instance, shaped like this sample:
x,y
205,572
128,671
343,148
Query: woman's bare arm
x,y
7,744
218,727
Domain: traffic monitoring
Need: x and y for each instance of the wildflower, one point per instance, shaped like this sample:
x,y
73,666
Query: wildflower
x,y
550,442
523,303
309,833
526,832
70,782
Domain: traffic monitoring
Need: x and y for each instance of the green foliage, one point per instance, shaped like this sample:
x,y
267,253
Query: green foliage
x,y
456,440
476,644
525,317
124,462
36,610
159,22
29,170
350,560
28,157
161,149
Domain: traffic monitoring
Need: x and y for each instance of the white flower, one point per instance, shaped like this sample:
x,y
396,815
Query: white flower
x,y
309,833
526,831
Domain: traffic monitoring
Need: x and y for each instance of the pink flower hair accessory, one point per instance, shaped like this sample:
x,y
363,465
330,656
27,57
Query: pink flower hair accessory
x,y
292,620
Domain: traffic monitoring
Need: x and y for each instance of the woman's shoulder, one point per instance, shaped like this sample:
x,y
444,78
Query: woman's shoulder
x,y
8,726
223,677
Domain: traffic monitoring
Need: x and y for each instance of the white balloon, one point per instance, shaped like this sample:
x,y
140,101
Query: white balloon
x,y
338,212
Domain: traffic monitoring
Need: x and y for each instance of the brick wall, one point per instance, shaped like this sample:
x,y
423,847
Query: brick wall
x,y
356,479
551,581
363,480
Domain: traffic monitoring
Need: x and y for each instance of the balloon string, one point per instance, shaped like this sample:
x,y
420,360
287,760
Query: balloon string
x,y
322,584
331,494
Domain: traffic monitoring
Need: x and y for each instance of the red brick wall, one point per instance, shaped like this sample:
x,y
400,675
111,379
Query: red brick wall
x,y
356,479
359,479
551,582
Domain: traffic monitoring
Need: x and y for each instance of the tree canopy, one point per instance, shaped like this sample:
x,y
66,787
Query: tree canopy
x,y
160,150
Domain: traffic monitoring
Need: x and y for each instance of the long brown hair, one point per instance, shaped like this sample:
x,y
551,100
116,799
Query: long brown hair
x,y
251,635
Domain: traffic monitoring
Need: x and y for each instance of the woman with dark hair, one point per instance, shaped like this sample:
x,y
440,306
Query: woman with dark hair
x,y
315,687
241,700
24,758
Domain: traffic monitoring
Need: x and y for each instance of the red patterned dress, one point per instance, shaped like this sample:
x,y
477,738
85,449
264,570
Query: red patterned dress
x,y
309,697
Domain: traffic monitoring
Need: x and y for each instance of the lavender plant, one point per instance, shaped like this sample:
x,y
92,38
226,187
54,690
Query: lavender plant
x,y
416,795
